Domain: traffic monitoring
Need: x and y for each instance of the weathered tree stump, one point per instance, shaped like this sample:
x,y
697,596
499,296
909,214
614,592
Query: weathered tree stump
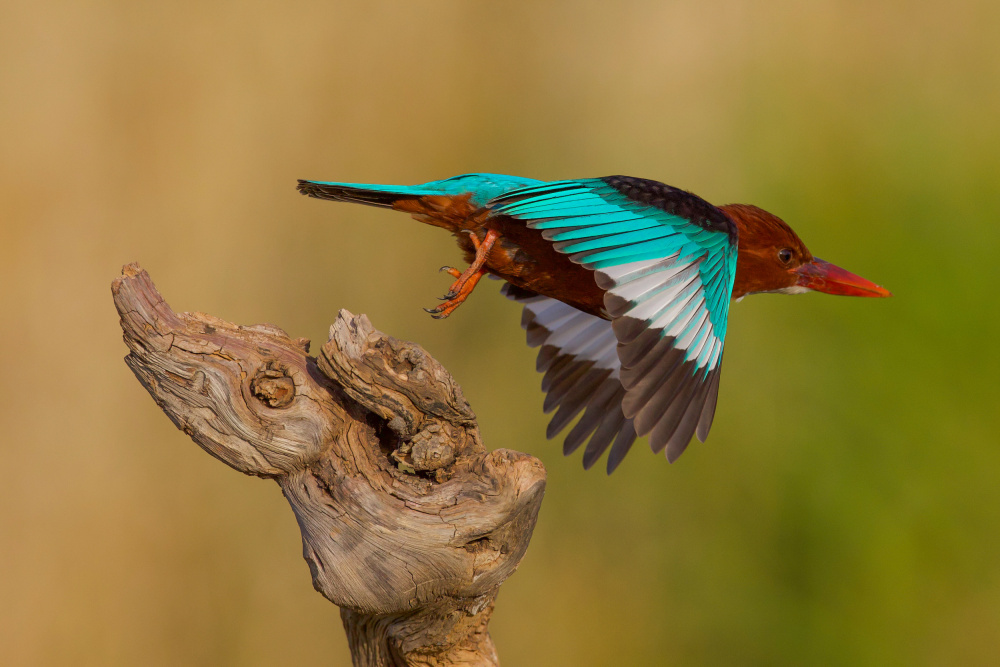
x,y
408,524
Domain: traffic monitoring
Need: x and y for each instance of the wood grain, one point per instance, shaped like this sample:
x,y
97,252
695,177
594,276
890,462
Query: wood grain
x,y
408,524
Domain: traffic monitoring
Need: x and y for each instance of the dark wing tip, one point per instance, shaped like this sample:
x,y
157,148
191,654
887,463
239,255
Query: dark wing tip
x,y
627,329
621,446
672,406
708,411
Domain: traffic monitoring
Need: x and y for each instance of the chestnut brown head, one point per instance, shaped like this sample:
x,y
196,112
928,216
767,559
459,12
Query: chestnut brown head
x,y
772,258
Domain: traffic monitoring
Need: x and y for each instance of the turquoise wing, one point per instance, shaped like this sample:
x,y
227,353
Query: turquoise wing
x,y
666,260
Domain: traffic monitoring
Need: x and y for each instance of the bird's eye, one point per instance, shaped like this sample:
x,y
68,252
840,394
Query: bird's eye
x,y
785,255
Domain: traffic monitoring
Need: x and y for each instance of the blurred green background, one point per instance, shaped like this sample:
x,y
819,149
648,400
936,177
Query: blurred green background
x,y
846,510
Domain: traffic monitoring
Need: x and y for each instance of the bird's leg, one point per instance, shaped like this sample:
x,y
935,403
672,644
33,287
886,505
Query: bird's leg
x,y
467,280
482,252
448,306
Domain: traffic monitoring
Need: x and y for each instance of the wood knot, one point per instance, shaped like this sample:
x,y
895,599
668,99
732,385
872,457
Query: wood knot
x,y
273,386
432,448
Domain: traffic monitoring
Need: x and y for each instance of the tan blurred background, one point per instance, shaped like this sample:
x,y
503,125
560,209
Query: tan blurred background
x,y
846,510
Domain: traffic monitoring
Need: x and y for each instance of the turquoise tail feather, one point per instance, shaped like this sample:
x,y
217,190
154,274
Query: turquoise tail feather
x,y
362,193
482,187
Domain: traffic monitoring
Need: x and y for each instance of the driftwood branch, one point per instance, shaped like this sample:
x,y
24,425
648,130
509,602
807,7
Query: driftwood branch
x,y
408,524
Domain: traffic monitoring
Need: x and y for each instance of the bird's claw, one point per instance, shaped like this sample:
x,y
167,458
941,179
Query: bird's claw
x,y
442,311
465,281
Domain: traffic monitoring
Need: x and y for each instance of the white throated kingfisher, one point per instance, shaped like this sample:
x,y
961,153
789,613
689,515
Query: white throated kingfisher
x,y
626,285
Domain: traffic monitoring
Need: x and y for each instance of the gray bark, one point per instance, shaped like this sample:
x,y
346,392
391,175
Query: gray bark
x,y
408,524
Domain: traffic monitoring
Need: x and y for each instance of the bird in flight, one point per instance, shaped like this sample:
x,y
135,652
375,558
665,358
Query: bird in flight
x,y
626,285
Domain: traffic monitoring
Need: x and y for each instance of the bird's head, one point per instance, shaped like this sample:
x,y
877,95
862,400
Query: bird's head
x,y
772,258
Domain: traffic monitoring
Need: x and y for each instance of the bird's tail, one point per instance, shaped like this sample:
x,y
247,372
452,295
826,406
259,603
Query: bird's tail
x,y
364,193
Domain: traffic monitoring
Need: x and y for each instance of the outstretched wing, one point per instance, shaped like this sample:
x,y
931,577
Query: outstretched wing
x,y
666,260
582,374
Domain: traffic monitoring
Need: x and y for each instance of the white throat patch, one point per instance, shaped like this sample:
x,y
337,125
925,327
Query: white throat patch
x,y
794,289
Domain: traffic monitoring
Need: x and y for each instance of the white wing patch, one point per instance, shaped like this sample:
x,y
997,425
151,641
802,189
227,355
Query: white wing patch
x,y
575,332
667,295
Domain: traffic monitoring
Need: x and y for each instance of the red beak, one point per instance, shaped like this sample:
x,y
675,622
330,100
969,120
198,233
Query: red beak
x,y
831,279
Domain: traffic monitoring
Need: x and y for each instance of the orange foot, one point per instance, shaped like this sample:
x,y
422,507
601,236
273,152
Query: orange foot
x,y
454,300
467,280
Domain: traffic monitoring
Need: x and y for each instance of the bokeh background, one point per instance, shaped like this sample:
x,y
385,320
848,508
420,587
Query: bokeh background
x,y
846,510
